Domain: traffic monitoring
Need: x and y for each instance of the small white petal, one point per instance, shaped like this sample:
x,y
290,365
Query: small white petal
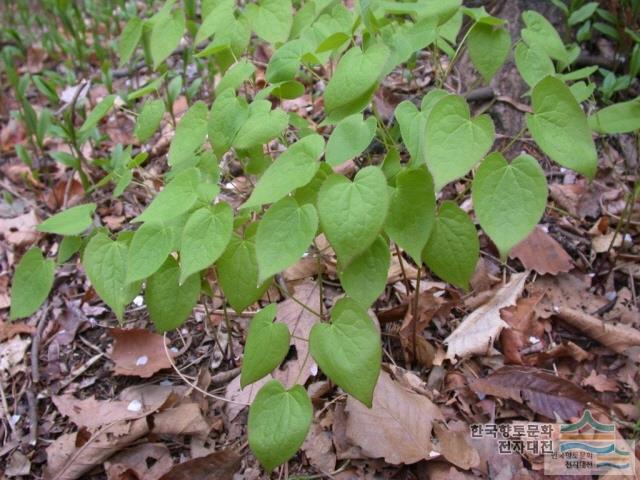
x,y
134,406
142,360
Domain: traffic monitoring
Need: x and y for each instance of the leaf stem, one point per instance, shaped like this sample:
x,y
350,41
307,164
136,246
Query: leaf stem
x,y
455,57
405,280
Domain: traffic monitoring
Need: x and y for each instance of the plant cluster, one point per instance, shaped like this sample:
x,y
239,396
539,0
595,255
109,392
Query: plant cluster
x,y
188,236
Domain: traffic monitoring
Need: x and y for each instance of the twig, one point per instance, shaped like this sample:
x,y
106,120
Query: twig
x,y
80,370
5,405
223,377
35,344
32,400
193,385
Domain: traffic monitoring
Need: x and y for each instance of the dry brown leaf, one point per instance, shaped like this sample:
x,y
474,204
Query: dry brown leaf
x,y
18,465
148,461
12,133
564,350
13,355
543,392
220,465
542,253
430,304
9,330
299,320
184,419
398,425
455,446
92,414
526,331
476,333
303,269
71,455
54,198
239,395
20,230
138,352
581,199
620,338
318,448
565,290
600,382
442,471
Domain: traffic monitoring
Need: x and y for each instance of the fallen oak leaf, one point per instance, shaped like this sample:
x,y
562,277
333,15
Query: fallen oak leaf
x,y
398,425
138,352
221,465
476,333
620,338
542,253
542,392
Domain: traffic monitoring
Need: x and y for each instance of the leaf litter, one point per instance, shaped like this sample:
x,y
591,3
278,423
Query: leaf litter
x,y
529,346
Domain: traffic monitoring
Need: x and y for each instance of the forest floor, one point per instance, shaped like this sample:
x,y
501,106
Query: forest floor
x,y
564,306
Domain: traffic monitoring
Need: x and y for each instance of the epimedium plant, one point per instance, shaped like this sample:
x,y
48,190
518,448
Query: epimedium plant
x,y
188,234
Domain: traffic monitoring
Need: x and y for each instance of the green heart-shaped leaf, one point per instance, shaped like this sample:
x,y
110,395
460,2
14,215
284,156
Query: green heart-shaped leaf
x,y
169,302
228,114
191,132
353,213
238,272
533,64
177,197
365,277
621,117
560,127
293,169
31,284
271,19
350,137
488,48
267,345
412,211
509,199
454,142
354,81
71,221
204,238
149,119
149,248
105,262
348,350
540,33
284,234
261,127
453,248
279,421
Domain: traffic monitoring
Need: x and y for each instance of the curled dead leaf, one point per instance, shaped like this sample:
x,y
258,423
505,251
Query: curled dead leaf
x,y
476,333
543,392
620,338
